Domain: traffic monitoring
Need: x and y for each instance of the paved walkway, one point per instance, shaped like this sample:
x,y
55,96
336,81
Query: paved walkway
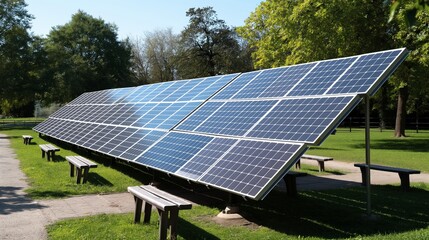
x,y
22,218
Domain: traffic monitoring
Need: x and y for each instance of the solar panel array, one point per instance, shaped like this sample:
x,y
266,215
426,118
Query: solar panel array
x,y
238,132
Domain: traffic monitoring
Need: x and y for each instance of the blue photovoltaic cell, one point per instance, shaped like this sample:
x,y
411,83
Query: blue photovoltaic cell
x,y
303,119
204,112
322,77
138,110
201,162
236,85
99,140
249,166
230,118
117,140
177,114
217,83
137,143
173,151
149,113
365,72
80,133
184,89
274,82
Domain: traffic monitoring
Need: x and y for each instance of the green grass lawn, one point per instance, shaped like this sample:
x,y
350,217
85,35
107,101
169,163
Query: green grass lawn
x,y
409,152
52,179
334,214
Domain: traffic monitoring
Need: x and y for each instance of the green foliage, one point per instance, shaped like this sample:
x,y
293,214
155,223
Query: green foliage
x,y
410,16
85,55
209,47
17,86
285,32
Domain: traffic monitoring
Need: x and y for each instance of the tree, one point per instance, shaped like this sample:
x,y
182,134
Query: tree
x,y
154,56
17,86
411,11
208,46
285,32
411,82
85,55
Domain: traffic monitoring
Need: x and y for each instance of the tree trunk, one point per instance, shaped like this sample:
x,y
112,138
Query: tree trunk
x,y
382,108
401,112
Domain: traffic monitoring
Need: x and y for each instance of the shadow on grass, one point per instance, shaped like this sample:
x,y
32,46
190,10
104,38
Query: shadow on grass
x,y
58,158
341,213
97,180
188,230
38,194
12,201
403,144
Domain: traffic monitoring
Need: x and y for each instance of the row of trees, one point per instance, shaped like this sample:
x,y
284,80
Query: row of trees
x,y
85,55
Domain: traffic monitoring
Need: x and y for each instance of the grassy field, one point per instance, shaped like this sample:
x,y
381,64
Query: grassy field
x,y
409,152
52,179
334,214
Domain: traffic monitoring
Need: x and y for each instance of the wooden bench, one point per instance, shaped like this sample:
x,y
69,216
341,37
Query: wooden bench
x,y
404,173
80,163
290,181
49,149
320,159
168,208
27,139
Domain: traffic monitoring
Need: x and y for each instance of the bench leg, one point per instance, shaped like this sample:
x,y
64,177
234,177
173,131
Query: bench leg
x,y
321,166
79,175
71,170
52,155
163,224
138,210
85,174
147,212
25,141
290,185
48,155
174,216
363,172
43,154
298,164
29,141
405,181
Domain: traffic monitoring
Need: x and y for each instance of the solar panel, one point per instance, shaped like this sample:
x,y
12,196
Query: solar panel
x,y
250,167
303,119
203,160
226,118
173,151
237,132
370,71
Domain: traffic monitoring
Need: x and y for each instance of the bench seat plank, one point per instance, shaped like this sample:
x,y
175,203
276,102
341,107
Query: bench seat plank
x,y
404,173
320,160
167,204
80,163
49,149
181,203
27,139
154,200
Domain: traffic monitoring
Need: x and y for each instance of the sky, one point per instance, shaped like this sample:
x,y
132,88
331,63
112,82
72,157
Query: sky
x,y
134,18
